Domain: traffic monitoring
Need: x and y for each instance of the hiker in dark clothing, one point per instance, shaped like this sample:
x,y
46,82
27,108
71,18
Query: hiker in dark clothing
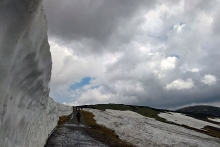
x,y
78,115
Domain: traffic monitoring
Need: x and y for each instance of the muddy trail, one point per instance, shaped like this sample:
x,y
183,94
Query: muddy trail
x,y
73,134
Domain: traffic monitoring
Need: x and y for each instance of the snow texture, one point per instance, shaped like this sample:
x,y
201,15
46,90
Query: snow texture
x,y
27,114
215,119
182,119
142,131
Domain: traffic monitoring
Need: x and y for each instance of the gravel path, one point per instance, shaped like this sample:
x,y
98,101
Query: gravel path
x,y
72,134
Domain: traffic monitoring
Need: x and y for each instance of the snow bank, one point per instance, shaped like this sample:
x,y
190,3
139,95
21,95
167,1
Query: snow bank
x,y
142,131
27,114
215,119
52,114
182,119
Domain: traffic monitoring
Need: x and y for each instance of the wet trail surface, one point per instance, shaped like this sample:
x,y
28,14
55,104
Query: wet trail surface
x,y
72,134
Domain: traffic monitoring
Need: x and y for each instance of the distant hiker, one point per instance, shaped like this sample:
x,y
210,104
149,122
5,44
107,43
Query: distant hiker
x,y
78,115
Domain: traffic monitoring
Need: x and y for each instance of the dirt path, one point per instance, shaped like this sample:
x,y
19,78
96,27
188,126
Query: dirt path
x,y
72,134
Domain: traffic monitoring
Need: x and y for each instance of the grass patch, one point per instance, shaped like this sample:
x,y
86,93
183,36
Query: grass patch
x,y
212,131
63,119
102,133
145,111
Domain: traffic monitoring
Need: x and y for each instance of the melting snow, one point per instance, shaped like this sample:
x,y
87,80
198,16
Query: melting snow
x,y
182,119
142,131
215,119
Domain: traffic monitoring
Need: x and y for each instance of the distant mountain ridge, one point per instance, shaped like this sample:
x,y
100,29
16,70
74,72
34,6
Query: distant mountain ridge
x,y
201,110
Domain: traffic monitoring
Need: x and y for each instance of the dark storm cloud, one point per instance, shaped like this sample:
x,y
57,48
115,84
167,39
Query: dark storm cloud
x,y
94,19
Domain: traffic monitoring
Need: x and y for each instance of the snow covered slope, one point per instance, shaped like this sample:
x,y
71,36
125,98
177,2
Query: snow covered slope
x,y
27,114
215,119
147,132
182,119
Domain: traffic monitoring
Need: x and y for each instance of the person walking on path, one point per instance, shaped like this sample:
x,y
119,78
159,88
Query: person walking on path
x,y
78,115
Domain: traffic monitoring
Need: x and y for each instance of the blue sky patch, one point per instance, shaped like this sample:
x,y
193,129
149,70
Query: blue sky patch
x,y
83,82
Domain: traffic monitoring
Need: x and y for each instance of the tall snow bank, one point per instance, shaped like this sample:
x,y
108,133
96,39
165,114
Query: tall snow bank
x,y
27,114
147,132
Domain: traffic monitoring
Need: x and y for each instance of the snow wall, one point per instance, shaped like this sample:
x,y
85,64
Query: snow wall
x,y
27,114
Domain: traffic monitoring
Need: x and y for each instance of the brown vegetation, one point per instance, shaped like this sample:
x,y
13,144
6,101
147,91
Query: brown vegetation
x,y
208,130
102,133
63,119
212,131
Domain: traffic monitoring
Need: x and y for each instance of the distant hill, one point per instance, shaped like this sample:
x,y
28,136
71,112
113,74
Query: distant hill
x,y
201,111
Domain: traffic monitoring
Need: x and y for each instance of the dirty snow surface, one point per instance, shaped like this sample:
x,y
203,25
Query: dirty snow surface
x,y
142,131
215,119
182,119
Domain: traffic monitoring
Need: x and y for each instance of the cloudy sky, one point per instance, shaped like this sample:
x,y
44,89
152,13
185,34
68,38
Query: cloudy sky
x,y
158,53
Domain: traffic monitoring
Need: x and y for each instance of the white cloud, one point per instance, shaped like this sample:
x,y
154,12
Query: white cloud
x,y
180,84
168,63
93,96
178,27
194,70
185,68
70,67
209,79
